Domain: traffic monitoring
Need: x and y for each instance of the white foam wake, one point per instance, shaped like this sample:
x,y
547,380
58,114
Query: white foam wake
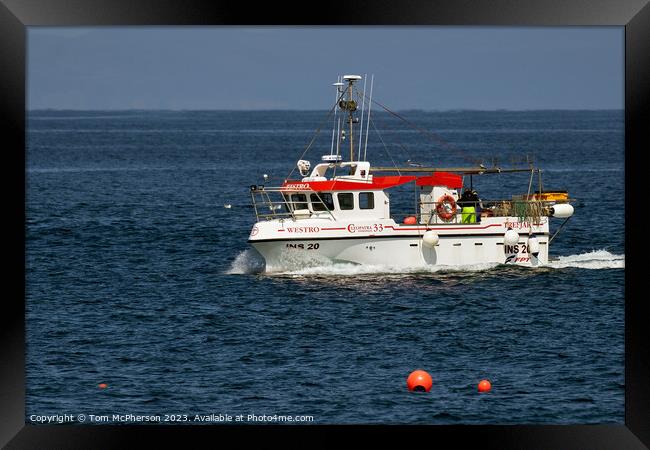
x,y
250,261
349,269
597,259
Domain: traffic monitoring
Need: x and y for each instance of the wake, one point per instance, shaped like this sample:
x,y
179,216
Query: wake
x,y
250,261
246,262
597,259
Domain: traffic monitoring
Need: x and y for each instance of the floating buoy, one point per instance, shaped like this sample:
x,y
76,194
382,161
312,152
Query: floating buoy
x,y
419,381
561,211
533,245
484,386
511,237
102,385
411,220
430,239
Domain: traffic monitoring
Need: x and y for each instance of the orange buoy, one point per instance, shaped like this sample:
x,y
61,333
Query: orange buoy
x,y
420,381
102,385
410,220
484,386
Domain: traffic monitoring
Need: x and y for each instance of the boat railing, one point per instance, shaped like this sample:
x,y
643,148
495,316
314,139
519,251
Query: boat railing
x,y
276,203
472,212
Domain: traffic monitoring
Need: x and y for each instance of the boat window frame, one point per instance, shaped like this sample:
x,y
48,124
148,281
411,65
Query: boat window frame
x,y
320,204
338,199
371,203
293,202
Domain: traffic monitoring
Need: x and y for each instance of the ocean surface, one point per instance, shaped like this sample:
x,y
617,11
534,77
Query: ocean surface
x,y
138,277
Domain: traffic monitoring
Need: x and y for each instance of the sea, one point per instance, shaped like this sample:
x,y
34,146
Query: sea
x,y
146,304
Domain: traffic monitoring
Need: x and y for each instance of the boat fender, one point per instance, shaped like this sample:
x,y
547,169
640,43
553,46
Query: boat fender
x,y
561,211
511,237
430,239
533,245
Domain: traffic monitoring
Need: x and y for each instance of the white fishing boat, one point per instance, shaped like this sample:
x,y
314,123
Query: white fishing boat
x,y
340,211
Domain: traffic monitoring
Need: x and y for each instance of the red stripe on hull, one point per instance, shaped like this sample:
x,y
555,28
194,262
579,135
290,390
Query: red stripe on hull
x,y
441,229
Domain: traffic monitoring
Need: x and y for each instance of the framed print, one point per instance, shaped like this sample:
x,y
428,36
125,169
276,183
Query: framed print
x,y
383,218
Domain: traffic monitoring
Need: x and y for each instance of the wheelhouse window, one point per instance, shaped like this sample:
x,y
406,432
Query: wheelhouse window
x,y
298,201
322,202
346,200
366,200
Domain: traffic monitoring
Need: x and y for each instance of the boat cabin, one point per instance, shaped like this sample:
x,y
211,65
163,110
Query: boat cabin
x,y
362,204
359,194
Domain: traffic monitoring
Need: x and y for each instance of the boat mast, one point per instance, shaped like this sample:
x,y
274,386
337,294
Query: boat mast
x,y
350,106
350,119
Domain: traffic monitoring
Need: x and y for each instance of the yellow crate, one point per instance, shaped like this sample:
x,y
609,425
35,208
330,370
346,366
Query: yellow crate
x,y
552,196
548,196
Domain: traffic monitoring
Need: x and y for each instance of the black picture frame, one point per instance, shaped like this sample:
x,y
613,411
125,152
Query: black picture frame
x,y
16,15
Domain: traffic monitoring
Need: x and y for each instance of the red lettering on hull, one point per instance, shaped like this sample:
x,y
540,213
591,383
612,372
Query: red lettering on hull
x,y
303,229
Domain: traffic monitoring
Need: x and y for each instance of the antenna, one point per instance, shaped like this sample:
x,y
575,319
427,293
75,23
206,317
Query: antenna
x,y
372,80
334,122
338,136
336,96
363,105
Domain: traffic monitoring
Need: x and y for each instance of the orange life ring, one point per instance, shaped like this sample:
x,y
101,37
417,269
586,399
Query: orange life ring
x,y
446,207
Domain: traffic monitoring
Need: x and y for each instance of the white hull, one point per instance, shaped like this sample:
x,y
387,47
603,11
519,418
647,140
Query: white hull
x,y
477,244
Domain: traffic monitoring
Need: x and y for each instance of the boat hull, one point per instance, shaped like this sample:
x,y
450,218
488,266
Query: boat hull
x,y
399,251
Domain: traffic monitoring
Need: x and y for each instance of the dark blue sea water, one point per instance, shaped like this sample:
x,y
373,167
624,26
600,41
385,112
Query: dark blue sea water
x,y
138,277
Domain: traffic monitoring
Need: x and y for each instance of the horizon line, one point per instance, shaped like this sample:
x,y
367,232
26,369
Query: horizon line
x,y
30,110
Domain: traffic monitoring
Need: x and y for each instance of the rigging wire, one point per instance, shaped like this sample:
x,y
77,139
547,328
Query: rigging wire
x,y
363,108
384,144
318,130
365,147
405,151
428,133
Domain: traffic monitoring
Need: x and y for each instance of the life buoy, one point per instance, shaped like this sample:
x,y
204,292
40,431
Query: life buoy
x,y
446,207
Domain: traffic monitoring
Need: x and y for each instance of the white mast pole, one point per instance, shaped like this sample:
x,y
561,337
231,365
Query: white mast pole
x,y
363,105
338,136
372,80
336,96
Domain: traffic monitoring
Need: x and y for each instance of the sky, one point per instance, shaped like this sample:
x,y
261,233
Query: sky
x,y
262,68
